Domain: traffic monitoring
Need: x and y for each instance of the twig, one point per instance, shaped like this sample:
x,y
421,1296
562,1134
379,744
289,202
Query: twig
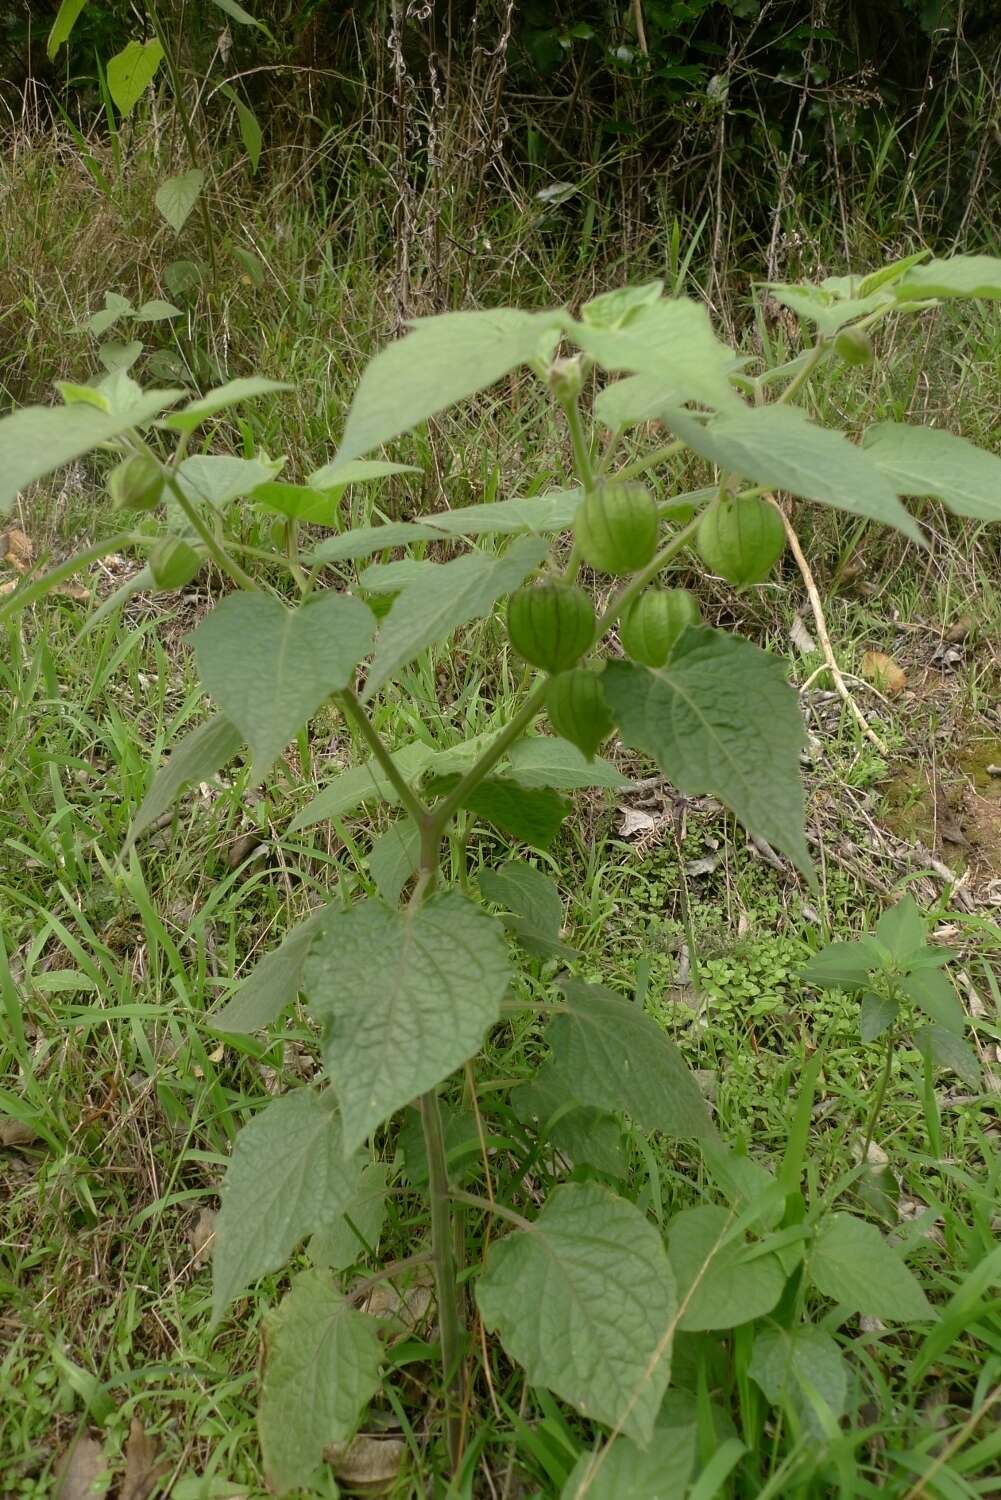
x,y
820,622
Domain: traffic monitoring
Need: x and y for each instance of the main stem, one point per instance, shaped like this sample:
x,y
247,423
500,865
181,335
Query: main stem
x,y
451,1330
880,1096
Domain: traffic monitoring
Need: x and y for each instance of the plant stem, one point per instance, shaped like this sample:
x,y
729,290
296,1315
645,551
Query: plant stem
x,y
581,452
354,711
440,815
215,549
170,62
639,581
880,1096
453,1334
658,456
803,374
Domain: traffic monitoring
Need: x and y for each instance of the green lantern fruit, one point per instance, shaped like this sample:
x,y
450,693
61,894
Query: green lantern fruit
x,y
136,483
616,527
854,346
651,626
551,624
741,539
173,563
577,709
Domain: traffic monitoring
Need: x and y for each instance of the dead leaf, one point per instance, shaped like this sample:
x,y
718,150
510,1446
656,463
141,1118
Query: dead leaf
x,y
634,823
883,672
82,1471
406,1307
801,637
141,1468
369,1464
17,550
242,848
66,590
704,866
202,1238
16,1132
957,633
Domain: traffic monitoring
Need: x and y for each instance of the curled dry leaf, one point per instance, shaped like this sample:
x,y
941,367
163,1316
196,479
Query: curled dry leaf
x,y
367,1464
17,550
634,823
407,1307
81,1473
141,1467
884,673
202,1238
16,1132
801,637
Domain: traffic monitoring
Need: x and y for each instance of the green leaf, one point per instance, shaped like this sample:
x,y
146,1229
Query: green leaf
x,y
584,1300
461,1140
357,1228
392,577
925,461
840,966
853,1264
780,447
828,313
250,130
531,898
177,196
672,341
947,1050
533,815
118,358
273,983
66,19
614,309
221,399
886,275
394,857
238,13
932,992
288,1176
157,311
623,1471
36,440
544,760
720,718
199,755
959,276
901,929
269,668
338,475
352,788
741,1180
322,1366
584,1135
130,73
619,1058
717,1286
795,1366
444,359
430,608
115,306
876,1015
540,513
405,998
213,479
297,502
634,399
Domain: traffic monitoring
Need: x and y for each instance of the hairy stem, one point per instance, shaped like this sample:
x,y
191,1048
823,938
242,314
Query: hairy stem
x,y
453,1334
354,711
444,810
581,451
877,1103
489,1206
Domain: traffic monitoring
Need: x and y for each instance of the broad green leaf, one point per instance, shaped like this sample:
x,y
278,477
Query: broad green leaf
x,y
357,1228
932,992
272,984
405,998
672,341
541,513
73,394
794,1366
36,440
947,1050
216,480
338,475
532,815
901,929
394,857
959,276
925,461
584,1135
269,668
352,788
199,755
177,196
131,71
717,1286
843,966
392,577
584,1300
888,274
544,760
853,1264
297,502
157,311
221,399
462,590
619,1058
720,718
877,1014
443,360
250,129
741,1180
613,309
322,1366
115,306
827,312
531,898
239,13
634,399
118,358
288,1176
66,19
780,447
624,1471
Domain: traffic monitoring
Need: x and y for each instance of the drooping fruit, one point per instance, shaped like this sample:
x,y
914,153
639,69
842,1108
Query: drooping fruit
x,y
575,702
651,626
551,624
616,528
173,563
741,539
136,483
854,346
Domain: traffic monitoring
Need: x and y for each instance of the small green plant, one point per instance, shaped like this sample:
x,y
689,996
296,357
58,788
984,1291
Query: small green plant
x,y
597,1293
